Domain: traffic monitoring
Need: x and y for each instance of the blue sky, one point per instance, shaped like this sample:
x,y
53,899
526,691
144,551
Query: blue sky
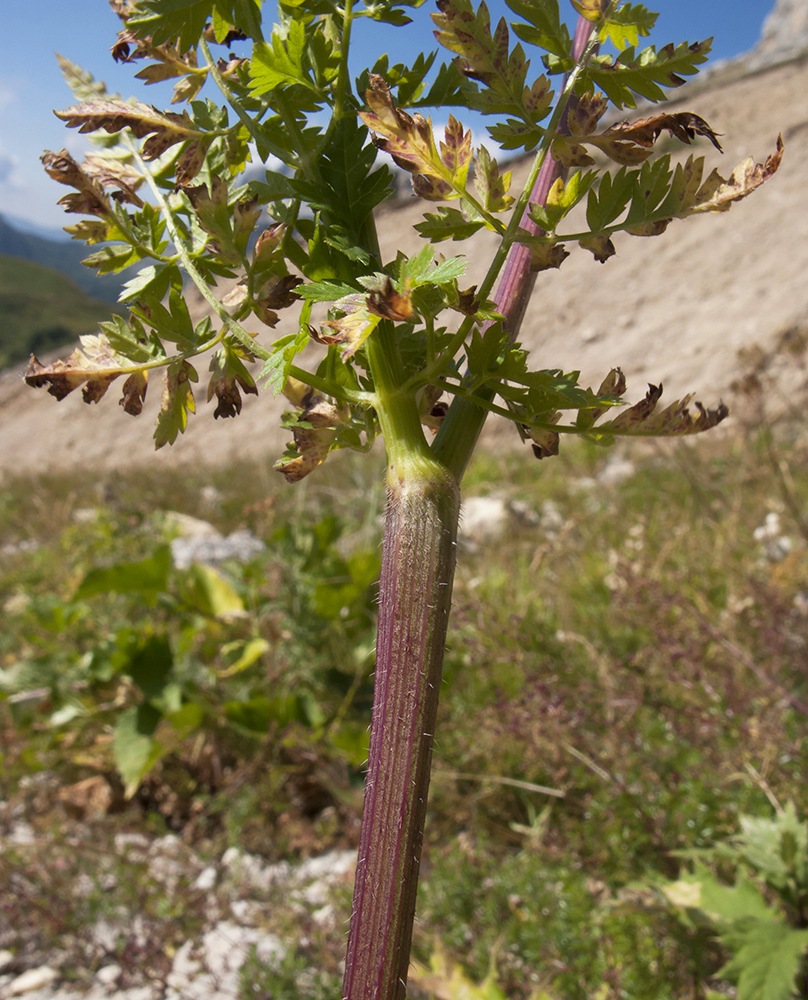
x,y
31,84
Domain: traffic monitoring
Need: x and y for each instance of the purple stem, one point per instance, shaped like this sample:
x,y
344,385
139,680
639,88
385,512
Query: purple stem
x,y
517,280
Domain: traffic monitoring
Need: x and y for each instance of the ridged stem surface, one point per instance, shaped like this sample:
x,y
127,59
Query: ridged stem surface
x,y
418,559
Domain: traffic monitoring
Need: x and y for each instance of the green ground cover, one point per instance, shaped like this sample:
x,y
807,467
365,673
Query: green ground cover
x,y
625,680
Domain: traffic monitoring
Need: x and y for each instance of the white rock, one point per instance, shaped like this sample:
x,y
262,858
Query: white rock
x,y
483,519
325,917
616,470
185,526
211,969
331,866
33,979
133,845
109,974
22,833
250,870
206,879
6,958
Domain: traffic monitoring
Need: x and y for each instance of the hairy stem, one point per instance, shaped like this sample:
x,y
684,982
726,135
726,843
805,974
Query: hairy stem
x,y
418,561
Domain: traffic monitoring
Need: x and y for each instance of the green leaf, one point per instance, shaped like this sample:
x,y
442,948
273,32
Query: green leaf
x,y
627,24
207,592
167,20
644,74
721,904
148,577
133,745
177,402
447,224
561,199
446,271
609,199
544,27
767,958
254,716
242,655
777,848
324,291
150,665
114,258
281,62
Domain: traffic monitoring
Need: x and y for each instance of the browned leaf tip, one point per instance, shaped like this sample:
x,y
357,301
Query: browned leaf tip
x,y
89,198
317,425
643,418
600,246
62,377
684,125
134,393
163,128
717,194
390,304
94,365
544,442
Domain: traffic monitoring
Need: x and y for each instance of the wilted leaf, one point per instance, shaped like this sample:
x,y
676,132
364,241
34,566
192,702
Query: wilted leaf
x,y
390,304
544,256
644,419
569,153
684,125
431,408
585,112
164,129
90,198
407,138
630,143
601,247
492,186
352,329
134,393
717,195
228,375
317,425
94,365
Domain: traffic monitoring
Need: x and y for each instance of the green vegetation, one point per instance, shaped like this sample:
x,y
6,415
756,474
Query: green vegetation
x,y
639,652
41,309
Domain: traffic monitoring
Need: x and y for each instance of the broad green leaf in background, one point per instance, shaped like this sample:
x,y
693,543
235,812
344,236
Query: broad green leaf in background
x,y
767,958
207,592
133,745
148,577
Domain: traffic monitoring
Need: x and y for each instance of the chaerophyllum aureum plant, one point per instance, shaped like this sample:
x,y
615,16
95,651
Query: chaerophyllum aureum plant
x,y
406,350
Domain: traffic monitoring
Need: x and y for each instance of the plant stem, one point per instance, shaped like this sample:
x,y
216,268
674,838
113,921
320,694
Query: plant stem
x,y
458,435
418,559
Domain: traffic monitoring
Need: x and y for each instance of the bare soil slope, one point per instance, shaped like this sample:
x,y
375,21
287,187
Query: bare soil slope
x,y
675,309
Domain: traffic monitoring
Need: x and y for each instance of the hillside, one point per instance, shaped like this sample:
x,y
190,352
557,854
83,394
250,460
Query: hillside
x,y
675,309
41,310
64,256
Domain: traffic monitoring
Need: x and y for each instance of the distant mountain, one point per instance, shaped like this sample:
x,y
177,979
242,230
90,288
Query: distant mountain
x,y
63,256
41,309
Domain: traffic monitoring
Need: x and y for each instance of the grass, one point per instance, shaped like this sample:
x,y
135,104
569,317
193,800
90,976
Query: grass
x,y
637,653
